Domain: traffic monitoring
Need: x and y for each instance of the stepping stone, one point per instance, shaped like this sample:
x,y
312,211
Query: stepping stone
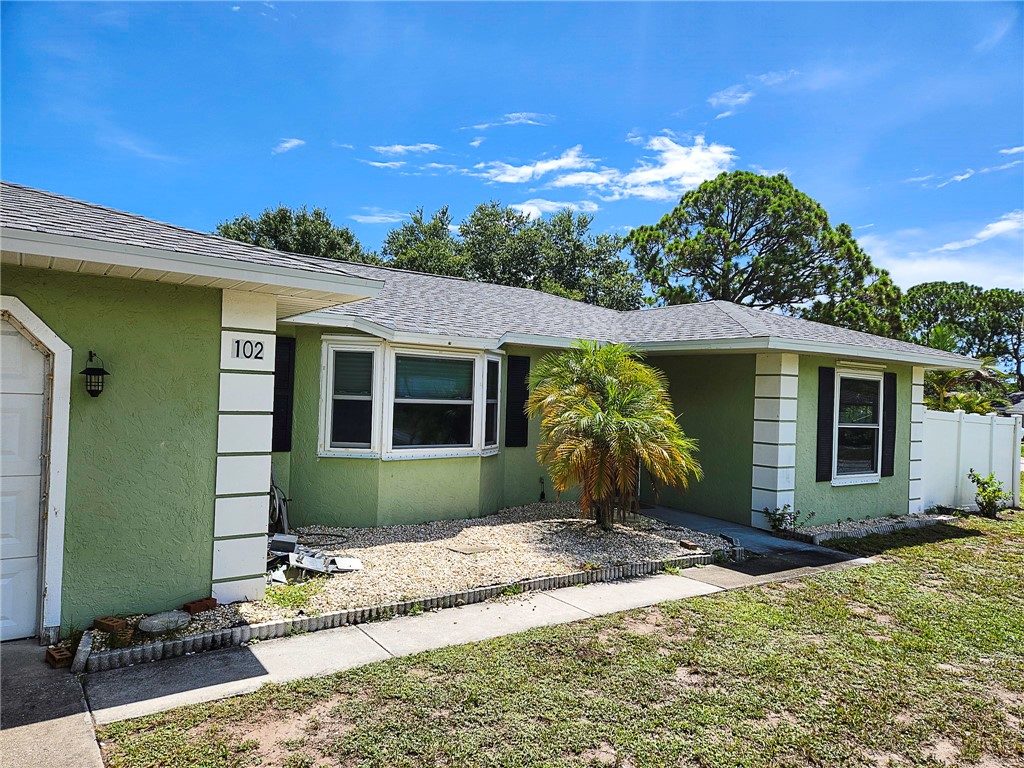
x,y
471,549
167,621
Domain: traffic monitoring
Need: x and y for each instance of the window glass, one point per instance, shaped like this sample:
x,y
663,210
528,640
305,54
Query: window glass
x,y
429,425
856,451
858,401
491,406
857,426
432,378
352,401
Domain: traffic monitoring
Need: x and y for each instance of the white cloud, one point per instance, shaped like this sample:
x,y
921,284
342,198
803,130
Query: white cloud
x,y
915,179
1003,167
286,145
1011,151
673,168
1008,224
378,216
571,159
382,164
515,118
477,141
774,78
911,258
730,98
404,149
768,171
340,145
442,167
537,207
236,7
957,177
999,31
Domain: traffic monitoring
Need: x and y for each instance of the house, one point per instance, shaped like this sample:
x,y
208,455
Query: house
x,y
377,396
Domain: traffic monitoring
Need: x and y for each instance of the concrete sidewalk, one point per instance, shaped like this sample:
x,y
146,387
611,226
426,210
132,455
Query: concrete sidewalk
x,y
147,688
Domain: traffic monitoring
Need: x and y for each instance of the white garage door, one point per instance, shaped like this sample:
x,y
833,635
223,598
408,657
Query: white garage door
x,y
21,441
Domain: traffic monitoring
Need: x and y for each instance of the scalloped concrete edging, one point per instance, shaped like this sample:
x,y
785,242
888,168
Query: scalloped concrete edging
x,y
889,527
225,638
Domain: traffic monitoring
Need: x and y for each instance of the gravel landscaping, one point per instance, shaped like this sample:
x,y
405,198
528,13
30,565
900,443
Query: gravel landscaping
x,y
405,562
857,528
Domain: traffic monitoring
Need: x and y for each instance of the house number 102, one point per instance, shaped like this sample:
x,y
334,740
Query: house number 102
x,y
248,350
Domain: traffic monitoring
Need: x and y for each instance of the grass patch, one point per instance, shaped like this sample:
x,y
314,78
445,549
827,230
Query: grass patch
x,y
917,660
294,596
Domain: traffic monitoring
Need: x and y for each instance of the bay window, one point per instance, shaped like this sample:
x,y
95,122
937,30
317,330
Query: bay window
x,y
858,426
403,402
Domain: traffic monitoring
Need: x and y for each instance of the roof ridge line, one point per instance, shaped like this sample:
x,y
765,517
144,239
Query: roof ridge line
x,y
727,308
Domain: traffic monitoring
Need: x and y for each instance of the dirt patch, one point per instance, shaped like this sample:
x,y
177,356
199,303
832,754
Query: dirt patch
x,y
688,676
605,754
943,750
649,623
885,760
278,739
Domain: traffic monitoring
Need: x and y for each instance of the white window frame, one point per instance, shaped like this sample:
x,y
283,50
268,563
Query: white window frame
x,y
863,478
491,450
330,346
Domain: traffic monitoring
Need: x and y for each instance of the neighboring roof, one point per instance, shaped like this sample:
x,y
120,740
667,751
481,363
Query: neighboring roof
x,y
39,223
413,304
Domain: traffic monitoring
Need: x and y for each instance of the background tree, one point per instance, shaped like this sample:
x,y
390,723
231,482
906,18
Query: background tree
x,y
297,231
603,415
972,391
1005,315
749,239
426,245
876,308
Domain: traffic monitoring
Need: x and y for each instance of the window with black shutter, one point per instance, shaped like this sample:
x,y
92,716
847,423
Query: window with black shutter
x,y
517,424
284,391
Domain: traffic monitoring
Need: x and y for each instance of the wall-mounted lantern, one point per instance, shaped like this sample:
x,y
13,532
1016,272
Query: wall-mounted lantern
x,y
94,373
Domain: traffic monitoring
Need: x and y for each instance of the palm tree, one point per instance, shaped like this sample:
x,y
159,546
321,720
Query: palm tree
x,y
972,391
604,414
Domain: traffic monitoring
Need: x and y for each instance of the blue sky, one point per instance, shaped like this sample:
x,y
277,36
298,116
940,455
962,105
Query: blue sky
x,y
905,121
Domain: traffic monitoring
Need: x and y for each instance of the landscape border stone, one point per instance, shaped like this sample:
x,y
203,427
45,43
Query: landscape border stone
x,y
881,528
114,658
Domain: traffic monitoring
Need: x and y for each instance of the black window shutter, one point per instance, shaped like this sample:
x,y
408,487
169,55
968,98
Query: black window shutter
x,y
517,425
888,425
826,422
284,390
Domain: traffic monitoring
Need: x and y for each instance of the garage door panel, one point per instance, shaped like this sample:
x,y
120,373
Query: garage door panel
x,y
21,425
19,593
21,366
19,528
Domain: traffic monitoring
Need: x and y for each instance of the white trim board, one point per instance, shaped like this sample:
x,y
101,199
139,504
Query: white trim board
x,y
57,462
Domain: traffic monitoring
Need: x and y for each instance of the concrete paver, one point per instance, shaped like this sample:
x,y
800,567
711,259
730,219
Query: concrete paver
x,y
614,596
44,719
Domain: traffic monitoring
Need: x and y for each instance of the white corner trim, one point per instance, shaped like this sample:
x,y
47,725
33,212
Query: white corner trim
x,y
57,465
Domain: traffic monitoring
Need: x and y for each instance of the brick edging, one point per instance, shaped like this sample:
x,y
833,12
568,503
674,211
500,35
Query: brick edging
x,y
100,661
893,527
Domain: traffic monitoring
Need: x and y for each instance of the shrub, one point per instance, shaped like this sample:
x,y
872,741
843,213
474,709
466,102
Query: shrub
x,y
786,519
990,496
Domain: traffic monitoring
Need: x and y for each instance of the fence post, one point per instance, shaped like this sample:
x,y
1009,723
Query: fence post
x,y
957,489
1015,458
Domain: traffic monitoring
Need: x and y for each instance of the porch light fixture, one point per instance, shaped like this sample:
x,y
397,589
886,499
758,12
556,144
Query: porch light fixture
x,y
94,373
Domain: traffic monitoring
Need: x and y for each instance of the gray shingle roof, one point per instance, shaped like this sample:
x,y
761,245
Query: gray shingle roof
x,y
34,210
413,302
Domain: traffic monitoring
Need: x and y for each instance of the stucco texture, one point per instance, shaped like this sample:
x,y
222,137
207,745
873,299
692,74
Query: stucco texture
x,y
142,455
715,396
889,496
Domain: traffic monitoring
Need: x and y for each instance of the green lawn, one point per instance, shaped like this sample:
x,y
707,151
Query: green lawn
x,y
918,660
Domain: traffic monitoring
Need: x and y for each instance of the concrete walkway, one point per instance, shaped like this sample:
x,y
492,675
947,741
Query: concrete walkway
x,y
43,716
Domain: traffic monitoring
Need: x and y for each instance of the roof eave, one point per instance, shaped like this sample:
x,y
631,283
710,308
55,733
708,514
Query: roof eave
x,y
328,289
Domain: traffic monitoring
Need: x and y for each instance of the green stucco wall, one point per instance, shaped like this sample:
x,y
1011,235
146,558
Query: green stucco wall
x,y
142,456
715,395
889,496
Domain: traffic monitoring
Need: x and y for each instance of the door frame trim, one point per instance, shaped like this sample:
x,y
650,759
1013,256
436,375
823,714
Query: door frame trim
x,y
55,467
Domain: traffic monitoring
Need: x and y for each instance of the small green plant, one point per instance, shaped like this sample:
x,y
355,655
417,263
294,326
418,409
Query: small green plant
x,y
786,519
294,596
512,590
415,609
671,570
990,495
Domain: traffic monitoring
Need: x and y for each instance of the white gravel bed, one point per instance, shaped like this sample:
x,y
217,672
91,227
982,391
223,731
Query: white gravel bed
x,y
403,562
856,526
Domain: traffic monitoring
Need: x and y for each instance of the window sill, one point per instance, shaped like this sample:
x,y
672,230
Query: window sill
x,y
340,454
839,482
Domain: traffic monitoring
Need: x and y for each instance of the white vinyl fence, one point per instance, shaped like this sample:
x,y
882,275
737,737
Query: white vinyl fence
x,y
956,442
